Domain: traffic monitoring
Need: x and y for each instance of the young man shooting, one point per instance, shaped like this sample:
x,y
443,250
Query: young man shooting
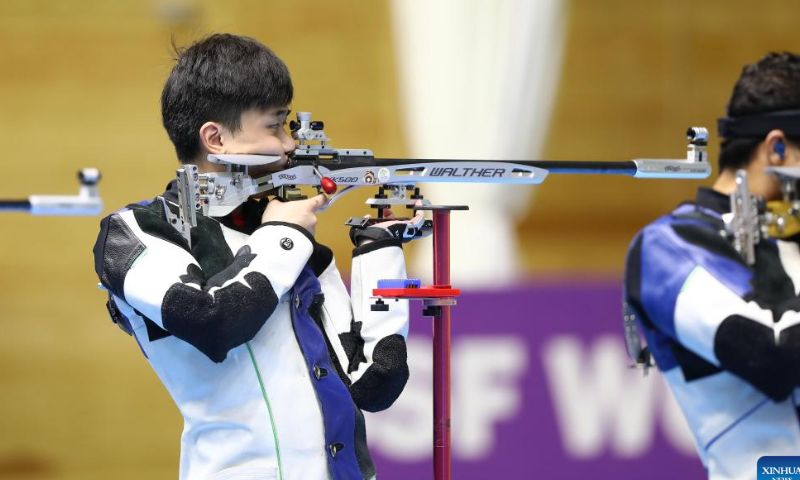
x,y
727,335
250,327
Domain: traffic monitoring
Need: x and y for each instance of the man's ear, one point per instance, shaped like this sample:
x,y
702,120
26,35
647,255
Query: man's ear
x,y
211,137
775,144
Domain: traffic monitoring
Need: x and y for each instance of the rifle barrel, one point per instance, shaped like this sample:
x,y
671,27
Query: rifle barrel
x,y
553,166
15,205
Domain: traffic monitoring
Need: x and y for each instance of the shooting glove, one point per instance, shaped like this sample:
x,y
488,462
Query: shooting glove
x,y
406,230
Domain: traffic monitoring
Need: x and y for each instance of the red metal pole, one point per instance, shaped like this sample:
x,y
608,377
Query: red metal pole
x,y
441,349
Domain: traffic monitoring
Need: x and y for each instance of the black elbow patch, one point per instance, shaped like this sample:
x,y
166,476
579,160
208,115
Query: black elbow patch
x,y
384,380
215,325
748,350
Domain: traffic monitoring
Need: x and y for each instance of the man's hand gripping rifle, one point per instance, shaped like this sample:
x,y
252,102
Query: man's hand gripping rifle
x,y
315,163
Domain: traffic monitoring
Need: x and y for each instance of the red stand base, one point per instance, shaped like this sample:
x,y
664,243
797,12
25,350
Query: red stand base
x,y
429,292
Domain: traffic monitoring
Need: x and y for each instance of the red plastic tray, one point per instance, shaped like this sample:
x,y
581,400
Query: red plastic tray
x,y
423,292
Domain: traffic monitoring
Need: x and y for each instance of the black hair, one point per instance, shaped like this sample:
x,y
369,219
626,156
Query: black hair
x,y
217,79
772,83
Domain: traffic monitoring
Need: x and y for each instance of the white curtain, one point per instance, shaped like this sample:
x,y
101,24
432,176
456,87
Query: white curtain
x,y
478,80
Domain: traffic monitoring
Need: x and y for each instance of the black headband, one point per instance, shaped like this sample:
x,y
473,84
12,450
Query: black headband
x,y
758,126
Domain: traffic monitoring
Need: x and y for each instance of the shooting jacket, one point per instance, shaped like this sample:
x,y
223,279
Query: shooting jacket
x,y
254,335
725,336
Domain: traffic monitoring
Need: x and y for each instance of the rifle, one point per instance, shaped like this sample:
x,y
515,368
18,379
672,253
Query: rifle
x,y
317,164
87,202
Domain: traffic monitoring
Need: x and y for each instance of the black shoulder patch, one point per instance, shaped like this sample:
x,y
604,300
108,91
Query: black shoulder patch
x,y
209,247
707,238
385,379
114,252
151,220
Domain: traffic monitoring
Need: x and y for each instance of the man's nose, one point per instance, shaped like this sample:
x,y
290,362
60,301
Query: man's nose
x,y
288,143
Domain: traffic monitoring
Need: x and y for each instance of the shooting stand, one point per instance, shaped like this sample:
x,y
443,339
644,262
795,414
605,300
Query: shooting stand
x,y
437,300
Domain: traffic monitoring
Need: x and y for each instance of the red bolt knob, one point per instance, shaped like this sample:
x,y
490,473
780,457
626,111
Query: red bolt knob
x,y
328,185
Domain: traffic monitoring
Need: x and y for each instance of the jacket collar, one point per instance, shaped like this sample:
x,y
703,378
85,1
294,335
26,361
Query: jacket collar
x,y
713,200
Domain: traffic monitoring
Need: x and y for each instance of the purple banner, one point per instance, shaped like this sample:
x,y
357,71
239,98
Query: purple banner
x,y
541,389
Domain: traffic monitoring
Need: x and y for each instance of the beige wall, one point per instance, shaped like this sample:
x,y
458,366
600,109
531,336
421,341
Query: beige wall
x,y
636,74
79,86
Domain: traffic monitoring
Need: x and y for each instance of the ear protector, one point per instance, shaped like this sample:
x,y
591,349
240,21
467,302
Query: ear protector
x,y
780,149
